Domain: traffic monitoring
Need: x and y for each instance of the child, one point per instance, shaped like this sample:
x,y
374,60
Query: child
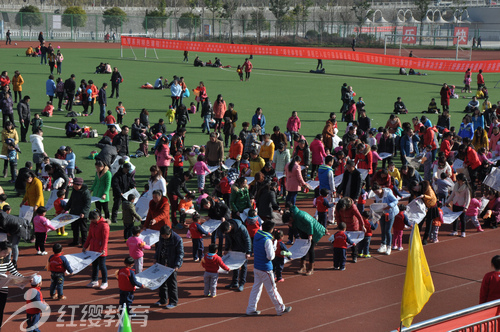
x,y
48,110
364,245
371,140
197,237
340,241
71,159
42,226
12,158
170,114
127,284
245,165
252,223
362,199
129,216
57,266
472,212
490,286
444,186
396,175
3,200
200,169
36,123
225,187
33,311
436,223
322,205
184,205
7,209
432,108
192,108
279,257
120,112
397,228
59,206
136,248
375,158
110,119
240,72
211,263
178,162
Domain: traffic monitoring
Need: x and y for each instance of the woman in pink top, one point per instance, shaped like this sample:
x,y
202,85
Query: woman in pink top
x,y
136,247
293,124
495,136
42,226
200,169
294,179
219,109
163,156
318,154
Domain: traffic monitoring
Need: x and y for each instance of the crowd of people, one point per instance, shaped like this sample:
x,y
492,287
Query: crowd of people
x,y
441,165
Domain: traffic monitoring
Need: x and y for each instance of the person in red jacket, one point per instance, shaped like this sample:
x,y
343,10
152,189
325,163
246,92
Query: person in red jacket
x,y
398,227
34,303
446,145
252,223
471,161
490,286
340,241
370,226
279,256
127,283
158,213
364,160
58,265
211,263
197,233
428,136
480,80
97,240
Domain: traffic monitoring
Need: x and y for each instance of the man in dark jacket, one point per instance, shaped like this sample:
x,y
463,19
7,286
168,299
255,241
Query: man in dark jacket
x,y
103,102
218,211
56,172
169,252
237,239
174,187
23,109
116,79
20,185
17,229
70,89
79,205
182,116
158,128
121,142
121,182
387,144
107,155
351,182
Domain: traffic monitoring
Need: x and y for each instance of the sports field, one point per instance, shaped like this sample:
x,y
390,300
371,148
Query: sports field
x,y
363,298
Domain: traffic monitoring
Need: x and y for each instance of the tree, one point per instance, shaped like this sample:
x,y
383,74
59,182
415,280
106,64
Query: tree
x,y
228,10
189,21
258,22
214,6
114,17
74,17
29,16
362,12
345,13
279,8
154,20
301,13
422,9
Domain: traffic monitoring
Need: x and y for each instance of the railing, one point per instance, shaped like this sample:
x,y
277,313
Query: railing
x,y
482,317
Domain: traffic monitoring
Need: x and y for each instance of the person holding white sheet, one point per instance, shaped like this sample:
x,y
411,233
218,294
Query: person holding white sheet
x,y
459,201
426,193
384,195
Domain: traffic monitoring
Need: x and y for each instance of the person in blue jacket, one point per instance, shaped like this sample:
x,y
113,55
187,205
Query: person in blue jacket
x,y
385,195
259,119
50,88
409,145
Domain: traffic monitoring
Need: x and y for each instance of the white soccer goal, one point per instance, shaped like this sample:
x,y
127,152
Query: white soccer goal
x,y
132,48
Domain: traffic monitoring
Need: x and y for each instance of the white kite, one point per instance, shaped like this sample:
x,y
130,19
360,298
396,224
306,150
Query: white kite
x,y
280,175
154,276
492,180
52,199
384,155
338,179
26,212
14,281
377,210
355,236
449,216
81,260
298,250
142,206
64,219
234,260
212,169
228,163
416,211
133,192
313,184
211,225
484,204
150,236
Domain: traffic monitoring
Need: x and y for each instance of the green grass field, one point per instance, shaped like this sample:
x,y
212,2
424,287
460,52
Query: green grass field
x,y
278,85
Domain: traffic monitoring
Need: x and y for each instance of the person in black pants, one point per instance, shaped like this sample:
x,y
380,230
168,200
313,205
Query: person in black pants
x,y
23,109
116,79
79,204
70,90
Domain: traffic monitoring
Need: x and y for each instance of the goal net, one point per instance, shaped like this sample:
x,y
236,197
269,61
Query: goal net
x,y
130,52
425,47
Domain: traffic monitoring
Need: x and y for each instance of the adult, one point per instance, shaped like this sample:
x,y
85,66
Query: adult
x,y
491,214
24,112
111,132
318,154
258,119
4,80
214,150
266,201
175,93
70,90
308,228
351,182
120,141
59,93
59,178
428,196
329,131
158,213
40,37
443,121
294,179
59,60
182,117
174,194
459,200
108,152
471,161
480,139
7,38
6,105
385,196
92,94
240,197
237,239
219,109
43,53
326,177
387,144
6,265
101,187
409,145
15,228
52,61
477,119
206,115
409,175
50,88
429,139
264,253
247,66
480,78
103,102
73,129
97,241
9,132
156,181
445,96
393,124
217,210
230,118
34,192
256,162
17,85
353,44
347,212
121,182
116,80
399,107
138,130
169,252
364,122
472,105
162,153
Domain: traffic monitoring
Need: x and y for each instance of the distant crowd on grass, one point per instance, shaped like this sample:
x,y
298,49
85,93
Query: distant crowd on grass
x,y
255,184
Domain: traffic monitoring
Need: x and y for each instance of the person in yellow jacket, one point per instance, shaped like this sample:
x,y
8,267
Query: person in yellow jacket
x,y
267,148
256,163
34,192
17,85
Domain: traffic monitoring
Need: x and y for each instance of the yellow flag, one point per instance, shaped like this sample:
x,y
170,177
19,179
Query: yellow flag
x,y
418,286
